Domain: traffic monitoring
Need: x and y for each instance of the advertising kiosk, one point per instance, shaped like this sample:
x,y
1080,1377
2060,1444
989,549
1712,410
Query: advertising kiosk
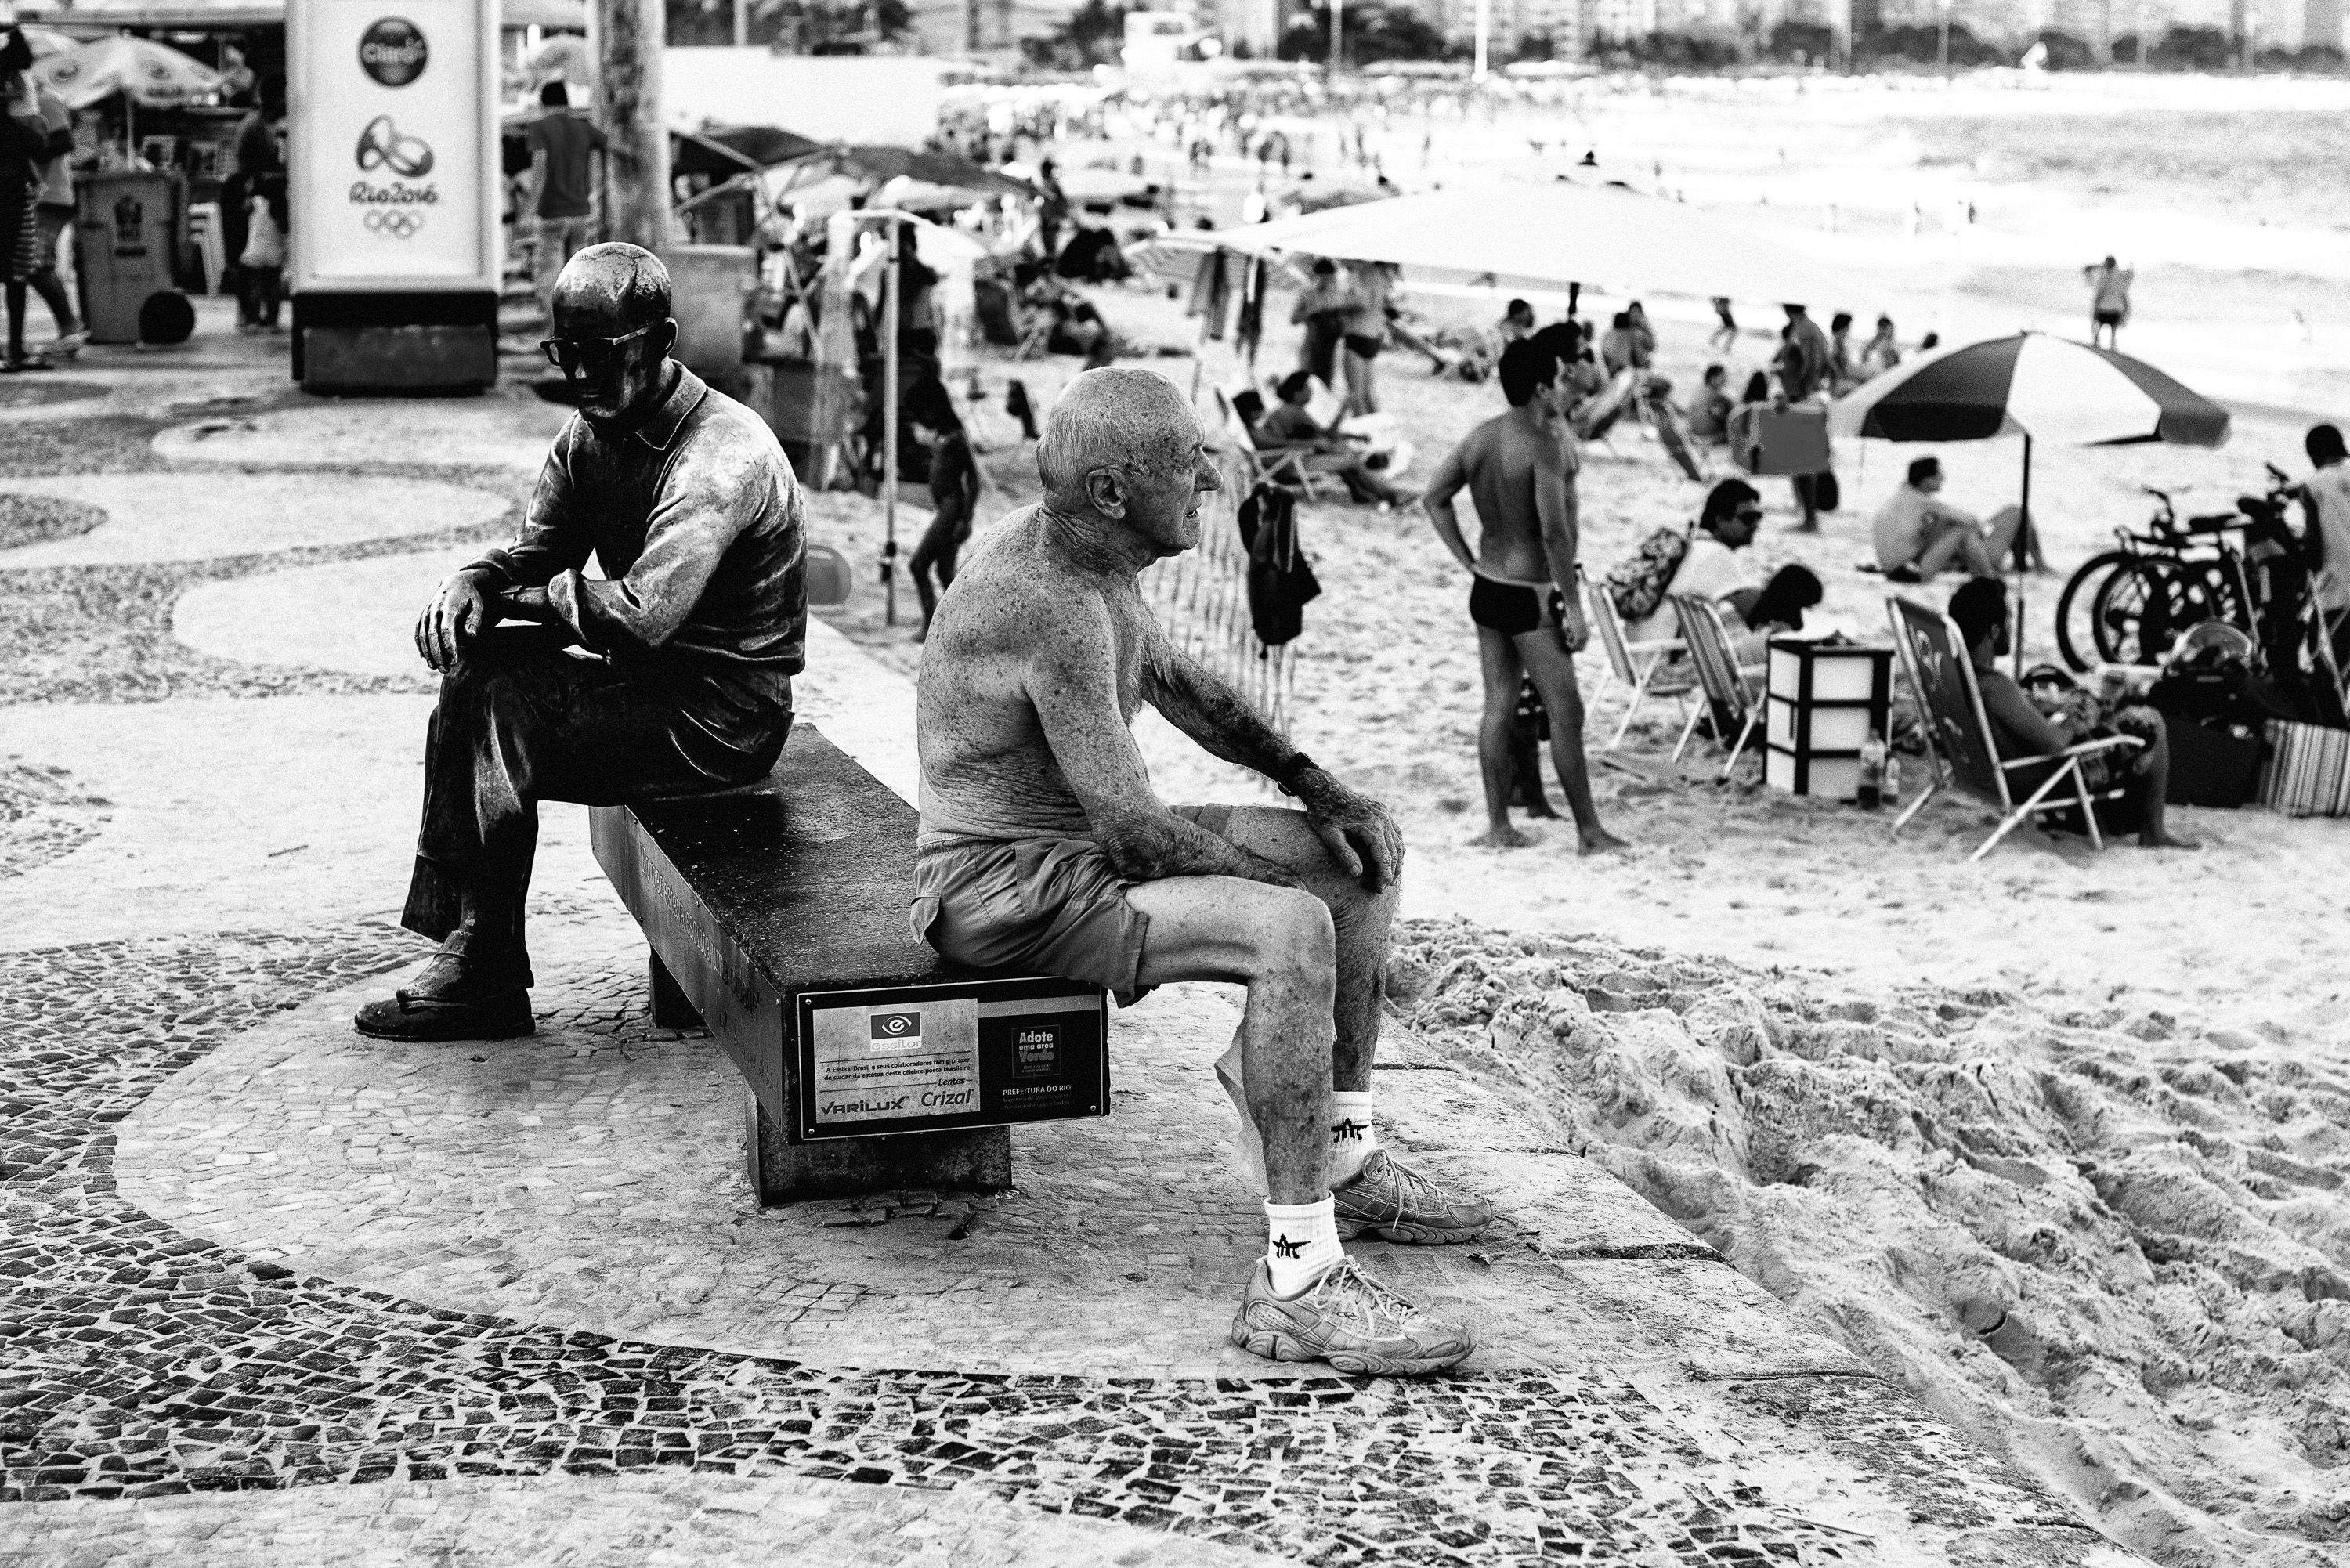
x,y
397,252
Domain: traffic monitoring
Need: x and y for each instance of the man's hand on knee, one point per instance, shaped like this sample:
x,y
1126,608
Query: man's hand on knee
x,y
1360,835
458,614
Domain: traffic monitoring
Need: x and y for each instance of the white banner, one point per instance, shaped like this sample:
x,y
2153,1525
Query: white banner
x,y
395,145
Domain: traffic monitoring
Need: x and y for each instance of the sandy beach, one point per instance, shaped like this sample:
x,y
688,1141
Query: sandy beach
x,y
2056,1137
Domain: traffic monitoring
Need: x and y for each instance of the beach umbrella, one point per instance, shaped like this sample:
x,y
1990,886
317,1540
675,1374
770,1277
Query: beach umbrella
x,y
143,71
1547,234
2039,387
2035,386
725,151
566,56
883,163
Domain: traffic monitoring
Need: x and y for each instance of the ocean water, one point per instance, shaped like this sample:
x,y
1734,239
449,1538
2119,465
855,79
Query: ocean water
x,y
2293,165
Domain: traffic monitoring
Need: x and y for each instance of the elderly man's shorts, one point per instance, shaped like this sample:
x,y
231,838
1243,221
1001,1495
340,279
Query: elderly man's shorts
x,y
1052,906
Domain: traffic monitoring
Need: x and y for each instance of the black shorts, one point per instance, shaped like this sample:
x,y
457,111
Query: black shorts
x,y
2109,317
1512,608
1362,347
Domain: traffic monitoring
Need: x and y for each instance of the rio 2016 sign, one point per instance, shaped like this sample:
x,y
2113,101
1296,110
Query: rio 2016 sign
x,y
395,148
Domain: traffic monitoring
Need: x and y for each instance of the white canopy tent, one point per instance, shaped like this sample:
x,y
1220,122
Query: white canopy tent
x,y
1533,235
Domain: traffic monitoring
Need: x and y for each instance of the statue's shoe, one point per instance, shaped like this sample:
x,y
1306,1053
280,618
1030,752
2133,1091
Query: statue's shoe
x,y
1349,1320
503,1013
1395,1203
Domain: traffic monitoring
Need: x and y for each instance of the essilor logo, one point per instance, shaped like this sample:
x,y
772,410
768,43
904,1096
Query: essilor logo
x,y
382,147
896,1026
393,52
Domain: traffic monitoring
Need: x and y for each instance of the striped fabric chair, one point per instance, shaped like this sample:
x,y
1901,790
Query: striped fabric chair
x,y
1729,690
1647,667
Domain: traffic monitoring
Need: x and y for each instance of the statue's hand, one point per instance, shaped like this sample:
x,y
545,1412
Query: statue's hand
x,y
1361,836
458,613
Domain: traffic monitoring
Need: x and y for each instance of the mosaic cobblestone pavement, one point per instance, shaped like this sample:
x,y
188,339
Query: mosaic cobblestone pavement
x,y
268,1295
146,1361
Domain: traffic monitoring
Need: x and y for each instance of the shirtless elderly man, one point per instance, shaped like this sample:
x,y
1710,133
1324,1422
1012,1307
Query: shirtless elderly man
x,y
1519,467
1043,846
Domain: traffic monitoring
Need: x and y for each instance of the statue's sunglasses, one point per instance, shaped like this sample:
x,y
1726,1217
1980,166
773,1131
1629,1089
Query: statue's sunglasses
x,y
593,356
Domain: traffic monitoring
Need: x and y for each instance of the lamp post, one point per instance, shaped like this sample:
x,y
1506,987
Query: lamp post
x,y
1484,13
1337,35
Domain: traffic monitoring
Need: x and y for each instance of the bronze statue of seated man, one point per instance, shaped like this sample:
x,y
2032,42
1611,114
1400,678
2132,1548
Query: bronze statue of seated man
x,y
670,674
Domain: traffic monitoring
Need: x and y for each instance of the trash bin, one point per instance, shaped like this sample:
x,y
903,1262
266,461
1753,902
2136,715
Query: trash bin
x,y
128,229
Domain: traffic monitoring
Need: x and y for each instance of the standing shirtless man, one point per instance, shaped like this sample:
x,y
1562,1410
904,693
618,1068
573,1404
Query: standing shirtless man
x,y
1519,467
1043,846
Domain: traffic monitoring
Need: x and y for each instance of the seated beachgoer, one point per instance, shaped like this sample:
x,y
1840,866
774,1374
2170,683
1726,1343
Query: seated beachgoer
x,y
1290,426
1043,848
1710,569
2023,727
1708,411
1628,344
1919,535
1884,350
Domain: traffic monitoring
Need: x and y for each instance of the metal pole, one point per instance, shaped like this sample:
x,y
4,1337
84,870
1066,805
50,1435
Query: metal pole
x,y
2022,556
889,432
1485,19
741,24
1337,42
628,42
1944,61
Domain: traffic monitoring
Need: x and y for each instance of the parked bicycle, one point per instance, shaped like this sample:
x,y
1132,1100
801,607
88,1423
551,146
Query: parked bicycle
x,y
2131,604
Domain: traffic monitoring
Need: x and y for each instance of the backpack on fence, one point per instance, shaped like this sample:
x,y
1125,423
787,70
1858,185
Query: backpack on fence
x,y
1638,584
1279,582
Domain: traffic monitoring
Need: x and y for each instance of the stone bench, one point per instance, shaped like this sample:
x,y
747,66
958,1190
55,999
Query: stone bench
x,y
776,919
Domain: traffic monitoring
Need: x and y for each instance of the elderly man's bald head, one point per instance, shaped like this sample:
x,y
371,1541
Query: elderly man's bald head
x,y
619,287
1112,418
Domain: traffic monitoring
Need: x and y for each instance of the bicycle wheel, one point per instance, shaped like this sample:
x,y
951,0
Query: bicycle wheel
x,y
2141,609
2076,631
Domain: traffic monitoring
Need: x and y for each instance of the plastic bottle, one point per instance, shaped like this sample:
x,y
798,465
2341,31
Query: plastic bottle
x,y
1872,772
1889,792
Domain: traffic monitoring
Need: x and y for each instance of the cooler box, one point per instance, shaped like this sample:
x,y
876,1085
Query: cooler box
x,y
126,236
1823,697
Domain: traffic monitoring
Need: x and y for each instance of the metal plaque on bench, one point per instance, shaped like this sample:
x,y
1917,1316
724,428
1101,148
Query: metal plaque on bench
x,y
927,1058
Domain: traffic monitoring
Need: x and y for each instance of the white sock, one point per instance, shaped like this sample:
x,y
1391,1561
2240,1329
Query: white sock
x,y
1301,1241
1353,1140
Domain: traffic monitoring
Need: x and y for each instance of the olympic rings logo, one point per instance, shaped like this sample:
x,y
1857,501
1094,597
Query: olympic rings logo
x,y
400,225
381,146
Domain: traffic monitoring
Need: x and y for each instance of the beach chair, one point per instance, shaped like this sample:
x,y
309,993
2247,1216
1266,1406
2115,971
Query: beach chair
x,y
1961,753
1283,466
1729,690
1647,667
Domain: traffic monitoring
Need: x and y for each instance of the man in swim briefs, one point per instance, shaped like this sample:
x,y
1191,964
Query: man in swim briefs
x,y
1043,846
1519,467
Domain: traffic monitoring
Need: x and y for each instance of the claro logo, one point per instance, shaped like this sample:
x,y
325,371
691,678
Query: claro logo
x,y
393,52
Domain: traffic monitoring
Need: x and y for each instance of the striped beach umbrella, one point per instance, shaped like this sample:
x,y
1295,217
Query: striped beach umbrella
x,y
2034,386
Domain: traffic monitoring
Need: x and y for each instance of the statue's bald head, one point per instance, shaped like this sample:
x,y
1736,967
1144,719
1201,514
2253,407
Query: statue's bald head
x,y
609,290
1130,419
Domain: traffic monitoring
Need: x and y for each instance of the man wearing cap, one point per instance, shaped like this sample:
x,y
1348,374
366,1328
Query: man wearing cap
x,y
670,674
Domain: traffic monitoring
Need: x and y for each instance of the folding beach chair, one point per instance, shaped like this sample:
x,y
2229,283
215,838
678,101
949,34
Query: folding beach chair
x,y
1729,691
1647,667
1283,466
1958,731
